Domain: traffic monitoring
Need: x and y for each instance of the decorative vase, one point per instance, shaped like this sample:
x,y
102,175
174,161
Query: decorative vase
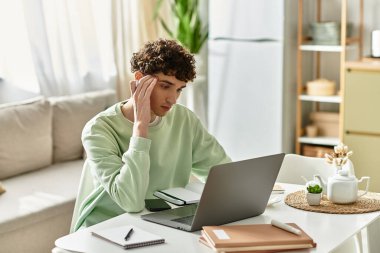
x,y
338,168
345,169
313,199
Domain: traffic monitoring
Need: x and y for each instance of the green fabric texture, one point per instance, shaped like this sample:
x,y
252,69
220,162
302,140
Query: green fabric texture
x,y
121,171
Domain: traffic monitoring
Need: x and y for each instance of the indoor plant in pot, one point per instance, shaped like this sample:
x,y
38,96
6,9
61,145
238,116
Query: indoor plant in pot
x,y
314,193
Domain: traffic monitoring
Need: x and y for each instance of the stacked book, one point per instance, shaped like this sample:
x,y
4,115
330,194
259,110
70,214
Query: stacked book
x,y
254,238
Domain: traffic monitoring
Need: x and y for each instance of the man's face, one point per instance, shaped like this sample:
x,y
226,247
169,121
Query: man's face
x,y
165,94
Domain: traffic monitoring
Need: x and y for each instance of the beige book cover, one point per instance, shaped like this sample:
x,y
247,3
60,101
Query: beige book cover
x,y
204,241
255,237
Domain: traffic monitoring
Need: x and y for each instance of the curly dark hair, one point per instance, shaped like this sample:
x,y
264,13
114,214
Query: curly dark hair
x,y
165,56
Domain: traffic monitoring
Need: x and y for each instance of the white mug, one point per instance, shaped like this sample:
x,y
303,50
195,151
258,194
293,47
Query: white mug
x,y
375,45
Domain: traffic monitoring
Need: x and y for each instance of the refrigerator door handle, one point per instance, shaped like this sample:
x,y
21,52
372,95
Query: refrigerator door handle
x,y
362,133
245,40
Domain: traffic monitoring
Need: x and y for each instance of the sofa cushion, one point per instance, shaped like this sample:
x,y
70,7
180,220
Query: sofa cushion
x,y
39,195
70,114
26,137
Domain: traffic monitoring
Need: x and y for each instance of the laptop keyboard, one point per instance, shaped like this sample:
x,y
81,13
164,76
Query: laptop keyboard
x,y
185,220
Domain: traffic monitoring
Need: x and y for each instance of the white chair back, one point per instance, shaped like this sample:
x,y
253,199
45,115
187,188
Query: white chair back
x,y
294,167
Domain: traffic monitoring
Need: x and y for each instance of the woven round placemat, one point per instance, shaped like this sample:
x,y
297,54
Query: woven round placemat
x,y
368,203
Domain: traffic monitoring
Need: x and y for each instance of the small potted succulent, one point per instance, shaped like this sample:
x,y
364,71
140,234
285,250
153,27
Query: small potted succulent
x,y
314,193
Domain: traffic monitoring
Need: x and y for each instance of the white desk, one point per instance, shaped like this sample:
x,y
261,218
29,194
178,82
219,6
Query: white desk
x,y
327,230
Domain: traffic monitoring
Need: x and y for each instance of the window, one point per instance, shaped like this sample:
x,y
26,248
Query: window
x,y
16,64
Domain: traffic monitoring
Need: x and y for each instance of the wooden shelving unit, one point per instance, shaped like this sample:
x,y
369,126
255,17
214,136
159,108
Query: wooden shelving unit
x,y
322,99
306,45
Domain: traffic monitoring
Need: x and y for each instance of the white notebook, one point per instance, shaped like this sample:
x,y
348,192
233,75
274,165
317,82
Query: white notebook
x,y
182,196
138,238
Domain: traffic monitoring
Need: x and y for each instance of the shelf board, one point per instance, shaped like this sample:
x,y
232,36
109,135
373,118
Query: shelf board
x,y
322,48
321,140
325,99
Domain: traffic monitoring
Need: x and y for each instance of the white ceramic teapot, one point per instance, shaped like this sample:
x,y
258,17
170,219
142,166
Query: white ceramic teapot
x,y
342,188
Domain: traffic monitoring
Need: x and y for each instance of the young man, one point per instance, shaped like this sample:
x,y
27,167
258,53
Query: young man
x,y
146,143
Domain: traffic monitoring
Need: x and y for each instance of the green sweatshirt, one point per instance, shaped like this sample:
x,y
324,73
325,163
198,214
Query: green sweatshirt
x,y
121,171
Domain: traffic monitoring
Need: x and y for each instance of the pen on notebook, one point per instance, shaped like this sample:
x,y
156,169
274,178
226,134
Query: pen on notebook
x,y
285,227
129,234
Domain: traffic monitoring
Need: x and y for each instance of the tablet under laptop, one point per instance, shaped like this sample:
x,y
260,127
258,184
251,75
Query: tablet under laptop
x,y
233,191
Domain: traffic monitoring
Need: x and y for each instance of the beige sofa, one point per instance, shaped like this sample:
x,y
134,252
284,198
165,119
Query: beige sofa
x,y
40,167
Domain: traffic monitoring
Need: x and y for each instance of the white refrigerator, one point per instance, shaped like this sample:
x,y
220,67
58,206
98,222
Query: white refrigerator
x,y
246,77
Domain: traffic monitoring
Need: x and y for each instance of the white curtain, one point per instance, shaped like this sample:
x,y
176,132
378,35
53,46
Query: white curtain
x,y
71,45
16,66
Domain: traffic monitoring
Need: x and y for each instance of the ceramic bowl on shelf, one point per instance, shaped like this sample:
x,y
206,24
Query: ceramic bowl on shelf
x,y
311,130
325,32
328,32
321,87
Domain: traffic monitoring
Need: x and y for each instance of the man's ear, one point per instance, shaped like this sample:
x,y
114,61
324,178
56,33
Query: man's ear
x,y
138,75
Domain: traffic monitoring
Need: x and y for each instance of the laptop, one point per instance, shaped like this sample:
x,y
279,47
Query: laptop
x,y
233,191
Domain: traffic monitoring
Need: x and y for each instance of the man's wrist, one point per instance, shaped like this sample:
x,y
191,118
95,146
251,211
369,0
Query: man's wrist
x,y
139,143
140,130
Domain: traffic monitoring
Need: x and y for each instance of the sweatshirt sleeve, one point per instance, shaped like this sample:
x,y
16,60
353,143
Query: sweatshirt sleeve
x,y
125,177
207,152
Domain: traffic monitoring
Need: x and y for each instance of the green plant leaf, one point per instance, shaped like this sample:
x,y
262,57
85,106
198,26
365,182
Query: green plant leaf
x,y
314,189
189,30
